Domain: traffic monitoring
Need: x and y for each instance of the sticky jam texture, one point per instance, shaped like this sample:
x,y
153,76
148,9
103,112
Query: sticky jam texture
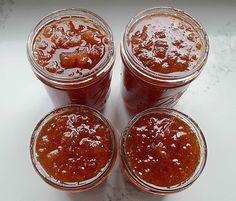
x,y
74,146
71,46
162,150
165,44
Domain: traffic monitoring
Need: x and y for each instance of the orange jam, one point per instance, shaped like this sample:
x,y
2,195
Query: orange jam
x,y
74,146
71,46
165,44
163,150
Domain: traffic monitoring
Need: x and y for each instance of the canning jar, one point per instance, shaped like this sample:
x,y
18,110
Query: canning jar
x,y
71,52
163,151
163,50
73,148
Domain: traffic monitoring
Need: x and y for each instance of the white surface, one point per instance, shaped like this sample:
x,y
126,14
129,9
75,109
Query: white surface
x,y
210,101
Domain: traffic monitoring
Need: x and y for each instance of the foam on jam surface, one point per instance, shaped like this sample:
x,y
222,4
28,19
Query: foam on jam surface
x,y
70,46
162,150
165,44
74,146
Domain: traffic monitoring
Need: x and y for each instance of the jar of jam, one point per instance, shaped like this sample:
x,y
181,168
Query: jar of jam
x,y
163,151
163,51
73,148
72,52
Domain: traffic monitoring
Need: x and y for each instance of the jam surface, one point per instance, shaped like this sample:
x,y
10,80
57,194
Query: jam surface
x,y
74,146
71,46
165,44
162,149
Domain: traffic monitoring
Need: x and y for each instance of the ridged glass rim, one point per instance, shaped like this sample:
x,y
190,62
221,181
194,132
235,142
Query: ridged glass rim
x,y
133,63
90,183
104,64
159,189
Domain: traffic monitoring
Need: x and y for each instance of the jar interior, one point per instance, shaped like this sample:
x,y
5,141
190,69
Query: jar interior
x,y
83,185
144,73
160,189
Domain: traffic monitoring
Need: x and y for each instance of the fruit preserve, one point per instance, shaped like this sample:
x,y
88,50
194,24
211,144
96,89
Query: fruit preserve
x,y
72,53
163,50
163,151
73,148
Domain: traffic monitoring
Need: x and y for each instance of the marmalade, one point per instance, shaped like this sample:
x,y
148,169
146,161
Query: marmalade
x,y
162,149
75,146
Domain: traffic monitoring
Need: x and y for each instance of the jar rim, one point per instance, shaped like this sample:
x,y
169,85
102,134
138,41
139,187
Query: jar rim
x,y
101,67
159,189
134,65
87,184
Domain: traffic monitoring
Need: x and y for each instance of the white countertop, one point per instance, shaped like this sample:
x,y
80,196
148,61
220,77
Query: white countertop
x,y
210,101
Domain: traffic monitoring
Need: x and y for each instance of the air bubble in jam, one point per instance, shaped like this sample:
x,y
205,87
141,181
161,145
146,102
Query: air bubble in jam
x,y
165,44
74,146
71,46
162,149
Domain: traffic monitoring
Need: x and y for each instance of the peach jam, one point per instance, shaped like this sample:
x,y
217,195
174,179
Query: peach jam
x,y
70,46
72,53
163,150
165,44
73,148
163,50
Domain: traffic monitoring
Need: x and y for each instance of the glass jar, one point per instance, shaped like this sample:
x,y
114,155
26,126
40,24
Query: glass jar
x,y
144,88
157,157
73,148
91,89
